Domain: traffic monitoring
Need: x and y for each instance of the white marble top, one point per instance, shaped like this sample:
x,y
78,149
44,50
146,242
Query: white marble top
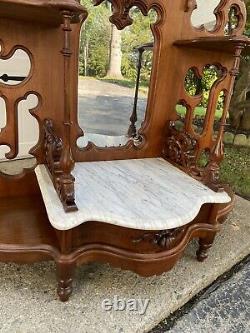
x,y
146,194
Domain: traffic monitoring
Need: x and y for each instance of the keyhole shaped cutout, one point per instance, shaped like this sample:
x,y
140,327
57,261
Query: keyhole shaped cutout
x,y
233,21
15,69
28,134
201,86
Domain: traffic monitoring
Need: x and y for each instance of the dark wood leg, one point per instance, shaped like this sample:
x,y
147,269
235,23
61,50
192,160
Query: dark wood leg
x,y
65,273
204,245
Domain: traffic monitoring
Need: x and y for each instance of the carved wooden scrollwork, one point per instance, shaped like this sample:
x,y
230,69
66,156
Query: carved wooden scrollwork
x,y
52,147
184,148
181,148
64,183
165,239
222,14
121,8
9,135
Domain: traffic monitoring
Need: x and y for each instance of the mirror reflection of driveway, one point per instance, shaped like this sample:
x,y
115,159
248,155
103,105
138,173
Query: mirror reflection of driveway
x,y
105,108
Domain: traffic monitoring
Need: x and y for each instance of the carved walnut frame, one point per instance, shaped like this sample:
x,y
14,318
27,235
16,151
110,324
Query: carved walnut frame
x,y
54,78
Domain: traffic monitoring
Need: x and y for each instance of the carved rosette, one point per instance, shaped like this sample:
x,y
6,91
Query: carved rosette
x,y
121,8
181,148
166,239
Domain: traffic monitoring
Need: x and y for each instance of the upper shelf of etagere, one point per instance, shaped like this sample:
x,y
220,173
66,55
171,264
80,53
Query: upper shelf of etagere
x,y
225,44
40,11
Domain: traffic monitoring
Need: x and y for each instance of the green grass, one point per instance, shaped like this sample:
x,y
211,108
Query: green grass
x,y
81,77
126,83
235,169
119,82
199,111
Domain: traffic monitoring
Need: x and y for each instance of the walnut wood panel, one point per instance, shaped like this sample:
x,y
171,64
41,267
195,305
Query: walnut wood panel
x,y
46,47
35,40
18,186
221,12
25,234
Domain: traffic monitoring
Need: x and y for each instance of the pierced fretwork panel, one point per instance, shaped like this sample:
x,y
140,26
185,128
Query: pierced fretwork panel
x,y
196,147
201,87
25,135
198,104
20,118
218,17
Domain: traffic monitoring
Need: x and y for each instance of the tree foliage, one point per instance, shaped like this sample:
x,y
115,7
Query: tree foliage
x,y
95,39
247,31
133,36
95,42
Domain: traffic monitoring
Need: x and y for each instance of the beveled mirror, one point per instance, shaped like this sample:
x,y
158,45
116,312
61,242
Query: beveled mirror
x,y
114,76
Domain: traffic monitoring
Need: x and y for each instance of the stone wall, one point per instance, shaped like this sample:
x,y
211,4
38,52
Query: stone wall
x,y
237,139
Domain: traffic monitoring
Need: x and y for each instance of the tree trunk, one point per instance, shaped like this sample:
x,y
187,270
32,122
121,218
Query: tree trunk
x,y
239,111
86,51
115,56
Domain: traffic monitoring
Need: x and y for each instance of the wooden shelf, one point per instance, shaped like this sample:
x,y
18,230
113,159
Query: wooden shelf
x,y
225,44
25,227
39,11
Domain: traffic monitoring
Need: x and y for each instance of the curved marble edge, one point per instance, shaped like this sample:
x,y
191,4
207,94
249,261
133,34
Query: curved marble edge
x,y
66,221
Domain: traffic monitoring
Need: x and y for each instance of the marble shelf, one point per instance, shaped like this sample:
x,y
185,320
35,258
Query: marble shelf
x,y
146,194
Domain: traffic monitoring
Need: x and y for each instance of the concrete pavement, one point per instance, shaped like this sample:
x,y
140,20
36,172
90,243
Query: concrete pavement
x,y
224,307
105,108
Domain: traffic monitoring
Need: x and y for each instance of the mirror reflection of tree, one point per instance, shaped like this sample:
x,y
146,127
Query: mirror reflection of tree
x,y
108,68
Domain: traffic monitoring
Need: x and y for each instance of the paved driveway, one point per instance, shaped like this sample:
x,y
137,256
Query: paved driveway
x,y
105,108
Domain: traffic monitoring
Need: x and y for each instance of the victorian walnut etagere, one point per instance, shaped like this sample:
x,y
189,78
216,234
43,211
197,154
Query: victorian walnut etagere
x,y
137,205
